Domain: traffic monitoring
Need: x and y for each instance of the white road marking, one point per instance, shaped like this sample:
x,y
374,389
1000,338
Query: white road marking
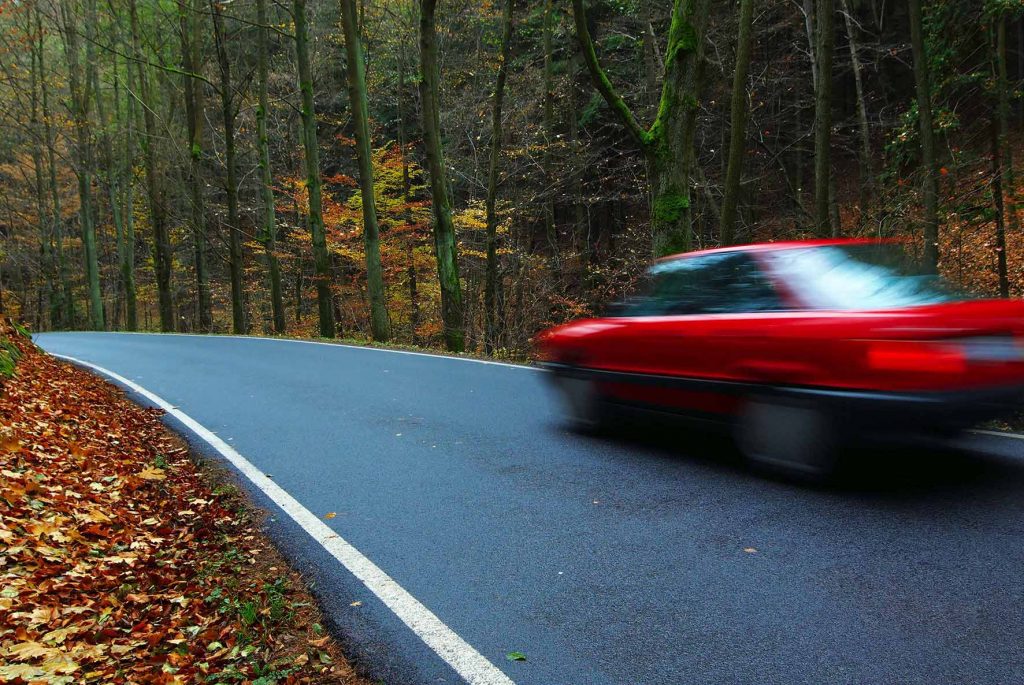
x,y
314,342
999,434
472,666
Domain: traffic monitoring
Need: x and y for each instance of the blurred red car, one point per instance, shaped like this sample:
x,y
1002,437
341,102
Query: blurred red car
x,y
802,347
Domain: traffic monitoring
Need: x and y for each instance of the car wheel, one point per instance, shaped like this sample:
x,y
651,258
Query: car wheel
x,y
790,437
583,404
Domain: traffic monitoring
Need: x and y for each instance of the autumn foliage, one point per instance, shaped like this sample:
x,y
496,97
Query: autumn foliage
x,y
121,560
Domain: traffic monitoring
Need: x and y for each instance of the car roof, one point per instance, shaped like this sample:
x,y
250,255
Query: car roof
x,y
780,245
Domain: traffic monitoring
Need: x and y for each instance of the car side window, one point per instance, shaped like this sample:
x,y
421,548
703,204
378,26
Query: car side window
x,y
723,283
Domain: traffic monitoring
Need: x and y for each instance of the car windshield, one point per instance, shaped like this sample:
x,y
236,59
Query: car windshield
x,y
865,276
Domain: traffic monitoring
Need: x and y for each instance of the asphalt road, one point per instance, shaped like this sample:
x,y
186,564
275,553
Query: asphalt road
x,y
623,559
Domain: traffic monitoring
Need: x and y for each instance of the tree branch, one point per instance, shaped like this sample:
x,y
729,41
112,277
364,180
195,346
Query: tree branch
x,y
601,82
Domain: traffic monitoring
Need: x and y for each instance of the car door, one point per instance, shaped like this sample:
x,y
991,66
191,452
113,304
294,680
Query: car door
x,y
698,322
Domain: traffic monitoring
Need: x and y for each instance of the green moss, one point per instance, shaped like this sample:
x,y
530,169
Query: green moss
x,y
682,39
669,208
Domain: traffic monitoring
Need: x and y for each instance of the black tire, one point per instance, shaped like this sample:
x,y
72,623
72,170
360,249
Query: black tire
x,y
790,437
582,403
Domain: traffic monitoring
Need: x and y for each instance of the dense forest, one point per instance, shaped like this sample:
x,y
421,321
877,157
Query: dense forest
x,y
463,173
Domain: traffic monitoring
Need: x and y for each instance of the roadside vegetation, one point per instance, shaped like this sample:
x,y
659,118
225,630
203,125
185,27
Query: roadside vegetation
x,y
122,560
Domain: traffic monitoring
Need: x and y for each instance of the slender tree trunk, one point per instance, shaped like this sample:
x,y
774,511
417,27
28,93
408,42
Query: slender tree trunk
x,y
491,283
414,301
653,68
121,167
227,108
157,208
867,174
113,171
268,228
321,258
444,229
188,22
128,165
666,143
690,151
80,97
550,229
997,200
380,326
1006,151
824,41
48,288
98,314
738,125
924,108
63,303
581,230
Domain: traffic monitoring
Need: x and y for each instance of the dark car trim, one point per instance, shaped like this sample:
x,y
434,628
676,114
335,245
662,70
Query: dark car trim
x,y
962,407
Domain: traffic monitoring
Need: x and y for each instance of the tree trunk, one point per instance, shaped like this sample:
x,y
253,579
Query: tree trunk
x,y
48,287
113,177
188,20
665,143
380,326
997,200
80,96
321,258
268,227
1006,151
548,125
738,125
924,108
824,41
227,108
157,209
867,174
414,302
653,68
491,282
581,229
444,229
63,302
127,266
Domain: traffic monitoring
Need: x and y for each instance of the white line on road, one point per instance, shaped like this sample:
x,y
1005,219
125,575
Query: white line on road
x,y
472,666
999,434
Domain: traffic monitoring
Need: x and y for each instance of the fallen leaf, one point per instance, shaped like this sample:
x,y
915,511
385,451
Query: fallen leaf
x,y
515,656
152,473
24,651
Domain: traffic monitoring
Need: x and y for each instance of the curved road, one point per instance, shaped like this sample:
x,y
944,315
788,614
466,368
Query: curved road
x,y
621,560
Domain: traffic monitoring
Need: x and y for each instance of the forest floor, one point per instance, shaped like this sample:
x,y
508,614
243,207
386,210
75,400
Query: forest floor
x,y
123,558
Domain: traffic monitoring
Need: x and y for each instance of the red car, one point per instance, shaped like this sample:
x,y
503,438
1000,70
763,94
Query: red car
x,y
802,347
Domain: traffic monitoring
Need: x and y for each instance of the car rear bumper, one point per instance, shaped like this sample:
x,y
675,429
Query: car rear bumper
x,y
946,410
